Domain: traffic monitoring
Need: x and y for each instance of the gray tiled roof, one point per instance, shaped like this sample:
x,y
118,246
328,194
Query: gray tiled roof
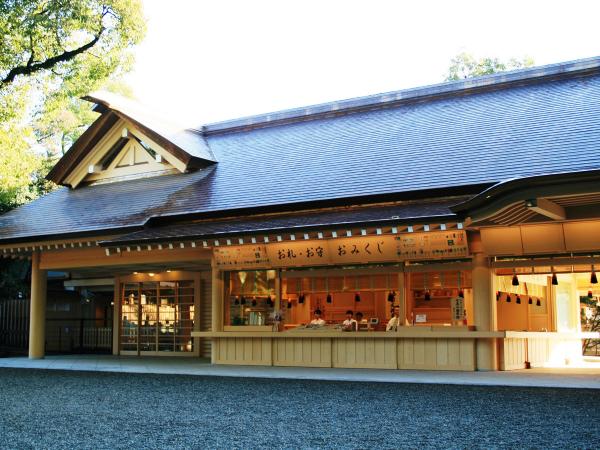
x,y
467,139
331,219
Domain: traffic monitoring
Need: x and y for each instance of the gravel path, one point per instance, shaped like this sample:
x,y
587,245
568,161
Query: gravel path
x,y
60,409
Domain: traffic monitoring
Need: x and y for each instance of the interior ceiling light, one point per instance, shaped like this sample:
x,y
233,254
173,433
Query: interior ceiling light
x,y
593,277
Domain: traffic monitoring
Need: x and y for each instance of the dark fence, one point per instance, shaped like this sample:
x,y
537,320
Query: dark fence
x,y
14,325
63,334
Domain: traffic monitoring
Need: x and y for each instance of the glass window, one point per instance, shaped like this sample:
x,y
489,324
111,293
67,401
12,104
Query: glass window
x,y
157,316
250,298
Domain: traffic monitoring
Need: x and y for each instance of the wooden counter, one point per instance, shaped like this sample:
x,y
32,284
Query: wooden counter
x,y
423,348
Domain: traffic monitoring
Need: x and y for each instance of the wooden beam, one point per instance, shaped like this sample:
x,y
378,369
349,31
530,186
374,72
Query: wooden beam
x,y
546,208
96,257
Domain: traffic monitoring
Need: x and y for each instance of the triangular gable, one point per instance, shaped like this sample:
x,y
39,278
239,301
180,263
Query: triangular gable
x,y
168,148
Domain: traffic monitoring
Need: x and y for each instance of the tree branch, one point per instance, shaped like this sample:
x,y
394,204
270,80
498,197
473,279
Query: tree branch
x,y
50,62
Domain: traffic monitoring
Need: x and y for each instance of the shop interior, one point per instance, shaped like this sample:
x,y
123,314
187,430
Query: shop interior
x,y
436,298
545,298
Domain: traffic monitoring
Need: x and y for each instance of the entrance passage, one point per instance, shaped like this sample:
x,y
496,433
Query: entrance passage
x,y
157,317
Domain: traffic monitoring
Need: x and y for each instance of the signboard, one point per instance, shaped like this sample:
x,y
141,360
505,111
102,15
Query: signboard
x,y
458,309
247,256
351,250
421,318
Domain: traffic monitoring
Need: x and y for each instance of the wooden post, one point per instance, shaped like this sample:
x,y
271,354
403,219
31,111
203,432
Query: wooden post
x,y
37,321
116,316
483,311
217,307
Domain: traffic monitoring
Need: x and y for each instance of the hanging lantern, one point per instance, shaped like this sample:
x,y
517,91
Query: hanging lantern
x,y
461,293
554,279
329,298
515,278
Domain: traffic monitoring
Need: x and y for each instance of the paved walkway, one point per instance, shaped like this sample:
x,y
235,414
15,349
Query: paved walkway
x,y
588,377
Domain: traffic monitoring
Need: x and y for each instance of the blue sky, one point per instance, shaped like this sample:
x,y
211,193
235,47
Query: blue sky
x,y
204,61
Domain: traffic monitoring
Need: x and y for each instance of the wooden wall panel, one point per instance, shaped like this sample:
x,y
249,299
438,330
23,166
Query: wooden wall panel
x,y
243,351
365,353
436,354
302,352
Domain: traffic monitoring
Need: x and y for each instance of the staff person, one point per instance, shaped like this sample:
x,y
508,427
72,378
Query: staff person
x,y
394,322
318,320
349,324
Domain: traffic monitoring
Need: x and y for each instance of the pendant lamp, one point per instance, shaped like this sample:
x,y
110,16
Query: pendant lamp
x,y
391,297
301,299
508,300
593,277
530,301
554,279
289,304
329,298
427,294
357,297
538,302
518,299
515,278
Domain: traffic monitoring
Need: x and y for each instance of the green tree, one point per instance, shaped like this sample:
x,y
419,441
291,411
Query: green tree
x,y
465,65
51,53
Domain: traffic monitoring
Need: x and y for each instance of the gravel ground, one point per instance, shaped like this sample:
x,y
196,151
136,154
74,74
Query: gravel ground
x,y
62,409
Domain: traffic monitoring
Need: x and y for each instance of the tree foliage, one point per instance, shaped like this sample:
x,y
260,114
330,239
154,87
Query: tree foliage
x,y
51,53
465,65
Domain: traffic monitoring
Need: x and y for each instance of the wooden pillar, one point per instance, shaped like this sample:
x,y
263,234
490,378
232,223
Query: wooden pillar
x,y
402,296
217,307
37,315
116,316
483,299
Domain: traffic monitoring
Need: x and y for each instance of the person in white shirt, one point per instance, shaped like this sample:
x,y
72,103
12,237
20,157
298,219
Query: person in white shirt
x,y
317,321
349,324
394,322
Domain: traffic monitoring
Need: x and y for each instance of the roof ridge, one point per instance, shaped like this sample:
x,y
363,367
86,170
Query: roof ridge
x,y
528,75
